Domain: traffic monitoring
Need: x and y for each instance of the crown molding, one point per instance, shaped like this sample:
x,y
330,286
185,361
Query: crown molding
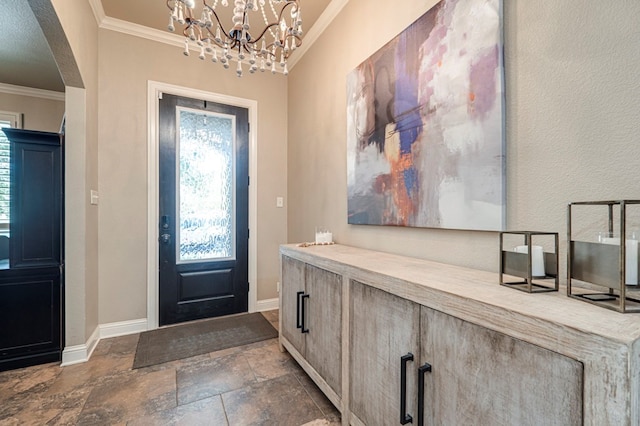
x,y
98,10
30,91
318,28
141,31
136,30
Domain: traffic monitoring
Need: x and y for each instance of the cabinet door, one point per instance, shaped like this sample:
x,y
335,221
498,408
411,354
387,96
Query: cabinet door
x,y
36,199
383,328
292,284
30,318
324,322
482,377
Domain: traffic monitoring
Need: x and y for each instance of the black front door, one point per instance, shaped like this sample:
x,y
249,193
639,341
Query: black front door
x,y
204,197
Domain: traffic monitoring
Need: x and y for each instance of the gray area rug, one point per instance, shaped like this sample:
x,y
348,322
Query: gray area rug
x,y
201,337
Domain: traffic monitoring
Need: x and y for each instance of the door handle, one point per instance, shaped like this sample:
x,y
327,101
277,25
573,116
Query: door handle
x,y
165,238
404,417
302,298
298,322
426,368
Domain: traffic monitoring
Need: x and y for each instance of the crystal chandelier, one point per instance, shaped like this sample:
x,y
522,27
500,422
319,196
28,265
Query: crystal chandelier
x,y
262,49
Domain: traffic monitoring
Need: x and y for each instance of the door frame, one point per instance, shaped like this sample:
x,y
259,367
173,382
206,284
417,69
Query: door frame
x,y
154,90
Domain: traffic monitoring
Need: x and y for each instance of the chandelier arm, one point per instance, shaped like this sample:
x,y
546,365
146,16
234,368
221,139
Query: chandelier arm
x,y
265,30
226,33
270,45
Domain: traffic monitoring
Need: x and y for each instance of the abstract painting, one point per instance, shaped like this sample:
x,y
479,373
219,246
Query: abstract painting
x,y
425,123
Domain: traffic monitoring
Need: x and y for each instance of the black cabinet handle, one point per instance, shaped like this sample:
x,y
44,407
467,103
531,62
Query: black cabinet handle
x,y
421,372
404,417
302,298
298,322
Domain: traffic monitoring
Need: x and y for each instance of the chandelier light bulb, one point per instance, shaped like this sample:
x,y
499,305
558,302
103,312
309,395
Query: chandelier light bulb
x,y
209,48
190,3
192,34
170,27
186,47
262,67
273,68
214,56
201,56
239,69
180,14
246,25
286,70
298,18
276,40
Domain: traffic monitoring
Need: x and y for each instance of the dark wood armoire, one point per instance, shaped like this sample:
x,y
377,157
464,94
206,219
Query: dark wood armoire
x,y
31,282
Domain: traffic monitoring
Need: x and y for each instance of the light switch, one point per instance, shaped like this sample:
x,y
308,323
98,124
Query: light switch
x,y
94,197
279,201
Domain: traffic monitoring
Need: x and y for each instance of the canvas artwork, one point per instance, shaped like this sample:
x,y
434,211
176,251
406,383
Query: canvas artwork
x,y
425,142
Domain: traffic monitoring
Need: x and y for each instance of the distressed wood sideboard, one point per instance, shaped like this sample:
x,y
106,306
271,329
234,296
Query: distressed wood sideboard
x,y
392,339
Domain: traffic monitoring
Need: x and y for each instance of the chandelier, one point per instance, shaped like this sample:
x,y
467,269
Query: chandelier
x,y
271,46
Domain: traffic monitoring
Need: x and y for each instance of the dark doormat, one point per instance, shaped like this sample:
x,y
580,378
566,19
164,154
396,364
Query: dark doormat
x,y
201,337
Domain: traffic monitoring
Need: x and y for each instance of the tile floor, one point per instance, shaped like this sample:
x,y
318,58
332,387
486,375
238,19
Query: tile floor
x,y
254,384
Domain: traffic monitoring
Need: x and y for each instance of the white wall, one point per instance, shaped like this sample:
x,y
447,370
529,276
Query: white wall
x,y
573,96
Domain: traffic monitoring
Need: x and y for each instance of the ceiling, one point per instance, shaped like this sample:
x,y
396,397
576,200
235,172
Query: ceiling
x,y
27,60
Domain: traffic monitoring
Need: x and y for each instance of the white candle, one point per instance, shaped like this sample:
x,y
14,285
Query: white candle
x,y
631,261
537,259
323,236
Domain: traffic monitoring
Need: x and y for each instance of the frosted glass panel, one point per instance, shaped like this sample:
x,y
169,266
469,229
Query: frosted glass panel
x,y
205,186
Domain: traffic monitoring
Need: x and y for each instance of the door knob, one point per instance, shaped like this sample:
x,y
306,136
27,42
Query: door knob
x,y
165,238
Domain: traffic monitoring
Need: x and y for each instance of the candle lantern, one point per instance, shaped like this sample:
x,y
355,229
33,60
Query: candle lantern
x,y
604,271
527,267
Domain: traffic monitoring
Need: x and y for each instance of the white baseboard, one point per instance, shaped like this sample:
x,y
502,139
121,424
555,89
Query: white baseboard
x,y
122,328
80,353
267,304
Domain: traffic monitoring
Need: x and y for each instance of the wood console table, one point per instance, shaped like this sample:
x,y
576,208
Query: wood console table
x,y
392,340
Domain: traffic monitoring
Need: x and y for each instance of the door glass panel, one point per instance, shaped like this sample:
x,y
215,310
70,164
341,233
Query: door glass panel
x,y
206,186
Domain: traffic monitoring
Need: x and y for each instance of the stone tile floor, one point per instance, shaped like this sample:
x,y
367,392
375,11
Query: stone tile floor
x,y
254,384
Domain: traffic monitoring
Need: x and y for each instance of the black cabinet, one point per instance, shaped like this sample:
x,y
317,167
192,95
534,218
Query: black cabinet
x,y
31,288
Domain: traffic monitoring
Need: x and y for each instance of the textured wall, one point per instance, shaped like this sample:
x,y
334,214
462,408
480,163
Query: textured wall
x,y
573,96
